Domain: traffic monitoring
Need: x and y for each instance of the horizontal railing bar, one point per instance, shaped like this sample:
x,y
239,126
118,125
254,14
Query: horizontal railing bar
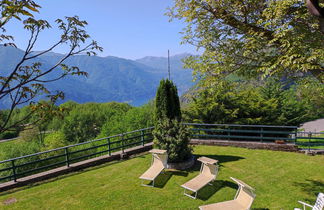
x,y
6,169
132,137
116,148
243,131
131,144
89,155
41,168
31,155
89,148
114,142
304,132
243,137
318,138
7,177
149,128
236,125
40,160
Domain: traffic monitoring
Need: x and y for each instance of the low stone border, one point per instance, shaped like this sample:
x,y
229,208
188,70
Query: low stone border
x,y
247,144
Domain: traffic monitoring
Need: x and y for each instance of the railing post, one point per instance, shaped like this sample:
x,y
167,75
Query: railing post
x,y
67,157
309,138
109,150
261,134
14,170
122,140
142,137
295,140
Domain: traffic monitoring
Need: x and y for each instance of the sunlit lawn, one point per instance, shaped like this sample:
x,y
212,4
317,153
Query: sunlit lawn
x,y
280,180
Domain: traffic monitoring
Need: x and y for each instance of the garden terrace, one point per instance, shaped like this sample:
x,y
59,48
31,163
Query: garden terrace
x,y
249,136
280,180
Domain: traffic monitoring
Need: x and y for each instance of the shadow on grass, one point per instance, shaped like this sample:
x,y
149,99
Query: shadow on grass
x,y
312,188
222,158
162,179
209,190
179,173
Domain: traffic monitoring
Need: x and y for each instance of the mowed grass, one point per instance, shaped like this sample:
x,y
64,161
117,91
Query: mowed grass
x,y
280,180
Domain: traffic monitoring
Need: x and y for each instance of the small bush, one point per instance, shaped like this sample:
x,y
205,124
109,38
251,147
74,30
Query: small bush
x,y
54,140
8,135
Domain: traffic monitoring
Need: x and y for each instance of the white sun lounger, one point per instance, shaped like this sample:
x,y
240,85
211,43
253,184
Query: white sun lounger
x,y
319,204
208,173
243,199
158,164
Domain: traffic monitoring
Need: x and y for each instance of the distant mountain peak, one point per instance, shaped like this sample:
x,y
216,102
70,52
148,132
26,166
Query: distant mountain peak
x,y
110,78
176,56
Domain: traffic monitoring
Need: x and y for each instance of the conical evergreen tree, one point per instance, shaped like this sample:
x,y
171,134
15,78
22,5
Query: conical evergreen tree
x,y
169,133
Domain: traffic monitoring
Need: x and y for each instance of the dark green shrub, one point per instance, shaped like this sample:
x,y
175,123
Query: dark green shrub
x,y
8,135
174,137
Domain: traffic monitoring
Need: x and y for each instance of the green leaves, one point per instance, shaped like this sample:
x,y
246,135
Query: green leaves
x,y
15,9
252,38
270,103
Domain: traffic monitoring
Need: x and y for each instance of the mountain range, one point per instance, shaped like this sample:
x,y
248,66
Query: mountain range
x,y
109,78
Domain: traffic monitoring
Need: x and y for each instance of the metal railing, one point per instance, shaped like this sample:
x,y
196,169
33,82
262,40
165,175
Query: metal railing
x,y
261,133
19,167
310,140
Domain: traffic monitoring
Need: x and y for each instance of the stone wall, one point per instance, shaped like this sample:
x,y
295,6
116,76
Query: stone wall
x,y
246,144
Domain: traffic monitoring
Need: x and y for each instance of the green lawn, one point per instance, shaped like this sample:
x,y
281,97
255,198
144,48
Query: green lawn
x,y
280,180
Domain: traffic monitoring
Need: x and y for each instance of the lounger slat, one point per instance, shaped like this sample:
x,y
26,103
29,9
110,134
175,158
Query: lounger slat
x,y
198,182
226,205
152,172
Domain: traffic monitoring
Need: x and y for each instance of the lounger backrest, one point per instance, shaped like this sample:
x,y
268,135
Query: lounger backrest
x,y
245,197
209,169
160,159
319,204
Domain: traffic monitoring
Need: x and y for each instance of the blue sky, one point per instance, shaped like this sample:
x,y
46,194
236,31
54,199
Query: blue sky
x,y
124,28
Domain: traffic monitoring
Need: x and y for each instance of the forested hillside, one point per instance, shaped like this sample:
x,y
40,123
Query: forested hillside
x,y
109,78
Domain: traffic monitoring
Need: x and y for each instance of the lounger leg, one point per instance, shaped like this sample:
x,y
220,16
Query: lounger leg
x,y
147,185
194,197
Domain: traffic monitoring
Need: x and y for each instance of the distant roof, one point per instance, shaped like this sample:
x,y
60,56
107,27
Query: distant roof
x,y
313,126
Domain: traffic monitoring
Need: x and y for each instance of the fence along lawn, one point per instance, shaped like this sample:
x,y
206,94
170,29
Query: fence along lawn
x,y
280,180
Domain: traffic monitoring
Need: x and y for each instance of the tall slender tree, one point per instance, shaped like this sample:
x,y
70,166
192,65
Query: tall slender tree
x,y
169,133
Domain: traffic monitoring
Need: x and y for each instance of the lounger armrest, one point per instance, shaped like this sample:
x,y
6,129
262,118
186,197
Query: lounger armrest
x,y
305,204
